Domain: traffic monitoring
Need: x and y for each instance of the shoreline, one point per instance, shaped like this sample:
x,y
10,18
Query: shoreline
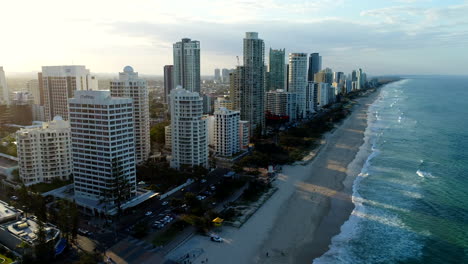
x,y
324,201
285,226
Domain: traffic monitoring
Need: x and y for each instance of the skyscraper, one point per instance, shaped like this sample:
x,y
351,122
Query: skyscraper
x,y
315,65
129,85
187,64
225,75
298,80
4,92
189,132
235,85
252,94
103,148
168,81
217,75
277,70
59,83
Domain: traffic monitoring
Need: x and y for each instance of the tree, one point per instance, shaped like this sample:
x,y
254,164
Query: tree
x,y
43,250
158,133
67,219
119,188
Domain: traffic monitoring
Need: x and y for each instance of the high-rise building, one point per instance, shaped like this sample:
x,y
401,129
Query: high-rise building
x,y
188,129
59,83
187,64
281,103
168,81
326,94
298,80
217,75
325,76
222,101
226,132
131,86
44,152
244,135
225,75
338,77
315,65
277,70
103,148
311,98
4,92
235,86
252,92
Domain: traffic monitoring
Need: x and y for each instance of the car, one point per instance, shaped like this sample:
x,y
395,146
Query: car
x,y
216,238
14,198
148,213
212,187
203,181
83,232
165,203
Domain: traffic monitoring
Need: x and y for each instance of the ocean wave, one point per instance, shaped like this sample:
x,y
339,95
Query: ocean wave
x,y
424,174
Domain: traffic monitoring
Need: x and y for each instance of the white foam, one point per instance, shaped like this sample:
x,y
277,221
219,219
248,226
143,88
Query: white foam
x,y
424,174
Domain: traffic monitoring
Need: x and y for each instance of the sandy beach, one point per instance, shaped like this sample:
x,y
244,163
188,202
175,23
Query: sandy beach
x,y
312,202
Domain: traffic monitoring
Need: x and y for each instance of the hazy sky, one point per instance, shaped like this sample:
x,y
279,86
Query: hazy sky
x,y
381,36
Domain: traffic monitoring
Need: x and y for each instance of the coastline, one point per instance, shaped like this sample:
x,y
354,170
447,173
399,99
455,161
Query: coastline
x,y
312,202
323,201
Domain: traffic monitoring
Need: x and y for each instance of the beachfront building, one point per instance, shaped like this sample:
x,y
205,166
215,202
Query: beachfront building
x,y
44,152
298,80
226,132
186,55
315,65
58,84
277,70
188,129
131,86
281,103
103,148
4,92
252,82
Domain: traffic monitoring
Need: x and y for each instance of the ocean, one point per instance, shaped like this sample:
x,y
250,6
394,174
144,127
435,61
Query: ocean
x,y
411,196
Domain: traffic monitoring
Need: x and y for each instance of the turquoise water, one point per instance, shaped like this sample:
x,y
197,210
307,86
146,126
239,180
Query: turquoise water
x,y
412,194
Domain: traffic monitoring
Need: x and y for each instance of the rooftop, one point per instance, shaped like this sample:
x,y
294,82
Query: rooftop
x,y
7,212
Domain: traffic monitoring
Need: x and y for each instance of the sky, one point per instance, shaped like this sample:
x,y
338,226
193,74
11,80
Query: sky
x,y
379,36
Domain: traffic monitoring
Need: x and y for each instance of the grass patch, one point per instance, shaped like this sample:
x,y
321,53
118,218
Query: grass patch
x,y
45,187
5,260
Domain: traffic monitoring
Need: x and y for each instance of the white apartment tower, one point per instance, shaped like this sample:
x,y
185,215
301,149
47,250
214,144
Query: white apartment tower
x,y
186,55
4,92
102,132
252,86
297,77
129,85
44,152
59,83
188,129
226,132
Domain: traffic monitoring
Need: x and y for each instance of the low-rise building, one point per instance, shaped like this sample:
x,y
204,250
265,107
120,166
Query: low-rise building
x,y
282,103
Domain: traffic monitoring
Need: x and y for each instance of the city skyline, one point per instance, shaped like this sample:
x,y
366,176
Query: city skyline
x,y
348,34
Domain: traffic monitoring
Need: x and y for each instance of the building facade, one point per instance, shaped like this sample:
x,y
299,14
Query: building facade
x,y
315,65
186,55
298,80
4,92
311,98
103,148
252,86
131,86
168,81
188,130
44,153
282,103
226,132
277,70
59,83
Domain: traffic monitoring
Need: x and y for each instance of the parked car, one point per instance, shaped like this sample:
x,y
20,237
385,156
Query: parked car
x,y
83,232
14,198
203,180
165,203
216,238
148,213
